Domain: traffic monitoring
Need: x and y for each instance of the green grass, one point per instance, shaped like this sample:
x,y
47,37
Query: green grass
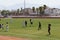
x,y
16,29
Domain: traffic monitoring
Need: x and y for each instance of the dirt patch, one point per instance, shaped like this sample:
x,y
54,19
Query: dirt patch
x,y
11,38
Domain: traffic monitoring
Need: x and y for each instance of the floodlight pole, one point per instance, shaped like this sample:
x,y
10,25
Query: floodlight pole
x,y
24,4
24,7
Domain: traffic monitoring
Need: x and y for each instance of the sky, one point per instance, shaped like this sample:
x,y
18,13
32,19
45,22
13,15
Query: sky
x,y
15,4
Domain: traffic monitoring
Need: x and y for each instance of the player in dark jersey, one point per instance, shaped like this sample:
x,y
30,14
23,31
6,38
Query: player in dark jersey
x,y
49,28
26,23
31,23
39,27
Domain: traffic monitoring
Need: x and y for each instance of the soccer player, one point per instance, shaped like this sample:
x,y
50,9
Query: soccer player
x,y
23,23
26,23
2,26
39,27
31,22
49,28
7,27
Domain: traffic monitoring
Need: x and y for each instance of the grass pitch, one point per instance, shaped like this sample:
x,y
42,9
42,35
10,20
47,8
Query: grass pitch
x,y
16,29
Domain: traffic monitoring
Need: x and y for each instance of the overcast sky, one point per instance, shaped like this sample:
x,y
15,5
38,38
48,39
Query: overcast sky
x,y
15,4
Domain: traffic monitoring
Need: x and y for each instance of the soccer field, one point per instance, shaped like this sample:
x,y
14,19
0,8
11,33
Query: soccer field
x,y
16,28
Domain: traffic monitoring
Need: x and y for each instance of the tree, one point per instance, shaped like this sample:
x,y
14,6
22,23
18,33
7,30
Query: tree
x,y
33,8
37,10
40,10
3,12
8,12
44,6
21,9
17,12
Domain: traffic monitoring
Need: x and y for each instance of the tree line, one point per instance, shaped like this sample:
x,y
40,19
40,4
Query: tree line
x,y
39,10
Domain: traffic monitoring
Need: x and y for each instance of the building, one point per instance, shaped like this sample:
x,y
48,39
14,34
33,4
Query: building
x,y
52,11
28,11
